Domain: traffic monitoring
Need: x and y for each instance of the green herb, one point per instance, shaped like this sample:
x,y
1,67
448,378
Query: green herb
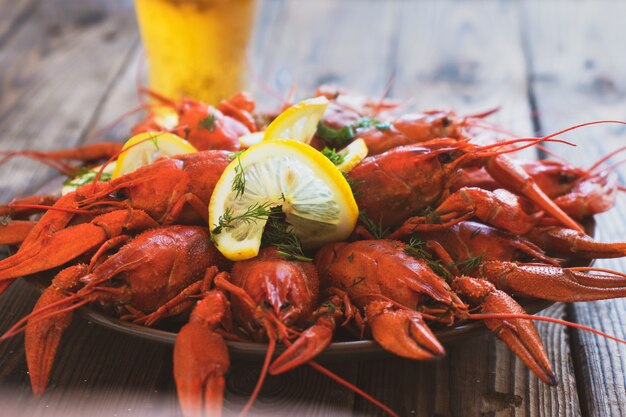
x,y
327,308
375,229
335,158
353,184
86,176
363,123
277,234
432,216
367,122
351,257
251,215
234,155
155,142
5,220
208,123
333,137
239,182
466,266
417,249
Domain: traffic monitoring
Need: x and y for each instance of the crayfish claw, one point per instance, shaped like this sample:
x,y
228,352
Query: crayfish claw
x,y
201,359
402,331
311,342
43,334
519,334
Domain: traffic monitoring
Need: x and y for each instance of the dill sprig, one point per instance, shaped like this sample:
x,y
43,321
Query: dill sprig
x,y
208,123
239,182
251,215
277,234
376,230
336,138
86,176
432,216
466,266
353,184
5,220
417,248
334,157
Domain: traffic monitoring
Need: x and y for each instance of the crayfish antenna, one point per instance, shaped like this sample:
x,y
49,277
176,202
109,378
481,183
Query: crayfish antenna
x,y
264,371
201,358
352,388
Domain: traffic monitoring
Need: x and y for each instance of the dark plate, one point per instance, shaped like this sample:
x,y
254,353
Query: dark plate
x,y
361,349
354,348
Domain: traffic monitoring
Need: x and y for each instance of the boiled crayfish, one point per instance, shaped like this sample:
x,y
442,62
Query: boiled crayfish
x,y
449,231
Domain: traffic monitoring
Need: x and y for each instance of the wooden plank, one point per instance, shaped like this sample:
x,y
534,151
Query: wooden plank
x,y
470,60
307,47
49,77
578,75
14,14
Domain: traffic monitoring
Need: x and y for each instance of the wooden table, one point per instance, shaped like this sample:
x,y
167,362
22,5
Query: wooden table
x,y
69,68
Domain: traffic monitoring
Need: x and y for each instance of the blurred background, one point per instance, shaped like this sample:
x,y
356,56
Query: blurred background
x,y
70,68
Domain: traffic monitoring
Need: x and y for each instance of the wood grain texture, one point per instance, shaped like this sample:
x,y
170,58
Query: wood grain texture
x,y
579,75
53,74
70,69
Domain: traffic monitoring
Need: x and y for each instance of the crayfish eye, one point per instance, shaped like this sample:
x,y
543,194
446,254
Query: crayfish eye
x,y
445,122
445,158
119,195
566,178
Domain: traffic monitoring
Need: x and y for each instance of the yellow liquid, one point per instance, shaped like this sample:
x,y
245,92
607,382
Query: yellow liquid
x,y
196,48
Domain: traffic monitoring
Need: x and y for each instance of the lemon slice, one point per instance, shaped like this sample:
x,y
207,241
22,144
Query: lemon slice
x,y
87,177
352,154
145,148
251,139
298,122
313,194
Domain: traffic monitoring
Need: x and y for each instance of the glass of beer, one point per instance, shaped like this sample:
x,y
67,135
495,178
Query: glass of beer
x,y
196,48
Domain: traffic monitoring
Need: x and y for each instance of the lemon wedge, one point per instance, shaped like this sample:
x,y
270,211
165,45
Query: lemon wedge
x,y
87,177
251,139
313,195
352,155
145,148
298,122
